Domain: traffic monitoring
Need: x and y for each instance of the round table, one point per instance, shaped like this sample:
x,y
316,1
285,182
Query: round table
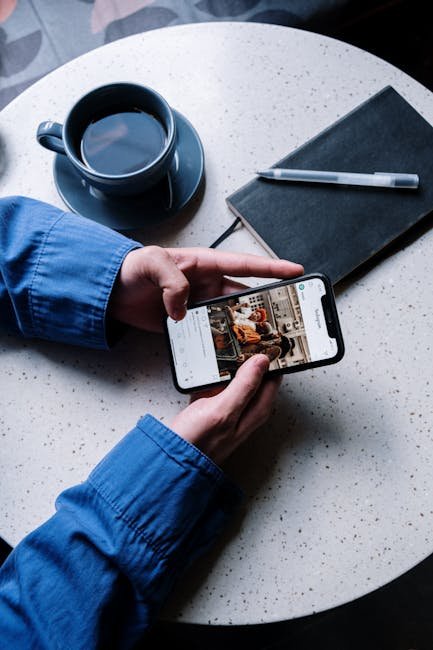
x,y
339,482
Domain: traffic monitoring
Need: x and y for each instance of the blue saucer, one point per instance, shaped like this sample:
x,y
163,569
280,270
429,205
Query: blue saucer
x,y
164,200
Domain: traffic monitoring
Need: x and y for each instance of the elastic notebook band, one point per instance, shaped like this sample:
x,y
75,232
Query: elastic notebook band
x,y
226,233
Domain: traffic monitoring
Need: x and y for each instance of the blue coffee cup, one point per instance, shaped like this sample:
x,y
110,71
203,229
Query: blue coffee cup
x,y
120,138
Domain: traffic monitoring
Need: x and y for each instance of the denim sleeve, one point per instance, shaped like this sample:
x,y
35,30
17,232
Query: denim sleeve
x,y
57,271
97,572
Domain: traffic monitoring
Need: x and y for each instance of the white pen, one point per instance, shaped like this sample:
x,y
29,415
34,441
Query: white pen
x,y
377,179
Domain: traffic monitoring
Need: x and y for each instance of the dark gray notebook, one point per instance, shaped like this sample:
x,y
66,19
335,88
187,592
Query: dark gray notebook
x,y
335,228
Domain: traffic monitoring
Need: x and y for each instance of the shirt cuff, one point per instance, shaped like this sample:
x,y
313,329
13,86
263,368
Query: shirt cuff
x,y
77,267
165,489
59,270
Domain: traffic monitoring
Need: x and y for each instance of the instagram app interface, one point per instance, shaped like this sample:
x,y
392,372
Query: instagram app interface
x,y
321,345
193,349
286,323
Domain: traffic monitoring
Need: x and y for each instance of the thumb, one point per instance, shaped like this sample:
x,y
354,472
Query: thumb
x,y
245,384
158,266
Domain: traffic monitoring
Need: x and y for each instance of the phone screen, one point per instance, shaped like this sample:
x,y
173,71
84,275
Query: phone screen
x,y
286,321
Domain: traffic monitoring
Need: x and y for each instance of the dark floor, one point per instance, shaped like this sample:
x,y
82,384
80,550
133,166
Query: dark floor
x,y
401,33
398,616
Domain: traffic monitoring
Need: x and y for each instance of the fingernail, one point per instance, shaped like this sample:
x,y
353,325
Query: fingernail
x,y
178,314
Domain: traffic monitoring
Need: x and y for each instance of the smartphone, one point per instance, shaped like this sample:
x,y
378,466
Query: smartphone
x,y
294,322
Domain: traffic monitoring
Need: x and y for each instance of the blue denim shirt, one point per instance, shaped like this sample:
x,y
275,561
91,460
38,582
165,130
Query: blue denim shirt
x,y
96,573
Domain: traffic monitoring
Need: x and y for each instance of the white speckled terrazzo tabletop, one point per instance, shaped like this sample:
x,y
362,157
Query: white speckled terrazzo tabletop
x,y
339,483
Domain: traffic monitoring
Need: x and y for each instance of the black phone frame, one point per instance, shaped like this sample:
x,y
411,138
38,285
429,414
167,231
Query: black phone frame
x,y
331,319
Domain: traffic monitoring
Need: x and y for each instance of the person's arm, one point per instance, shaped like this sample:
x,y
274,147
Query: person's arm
x,y
57,271
96,573
69,279
231,314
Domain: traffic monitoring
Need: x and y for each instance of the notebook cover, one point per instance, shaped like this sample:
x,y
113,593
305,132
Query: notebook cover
x,y
335,228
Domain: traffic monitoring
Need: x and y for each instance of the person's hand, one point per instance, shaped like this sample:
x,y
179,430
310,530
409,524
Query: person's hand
x,y
219,422
153,281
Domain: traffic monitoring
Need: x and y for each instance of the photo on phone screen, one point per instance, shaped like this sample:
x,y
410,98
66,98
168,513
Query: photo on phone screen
x,y
294,323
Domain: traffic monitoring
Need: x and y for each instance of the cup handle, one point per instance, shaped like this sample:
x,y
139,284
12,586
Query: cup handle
x,y
49,135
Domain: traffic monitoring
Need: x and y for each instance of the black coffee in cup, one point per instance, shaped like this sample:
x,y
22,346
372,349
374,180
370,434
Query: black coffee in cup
x,y
120,138
122,142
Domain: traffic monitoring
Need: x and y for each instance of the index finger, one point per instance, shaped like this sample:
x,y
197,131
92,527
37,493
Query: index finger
x,y
209,260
